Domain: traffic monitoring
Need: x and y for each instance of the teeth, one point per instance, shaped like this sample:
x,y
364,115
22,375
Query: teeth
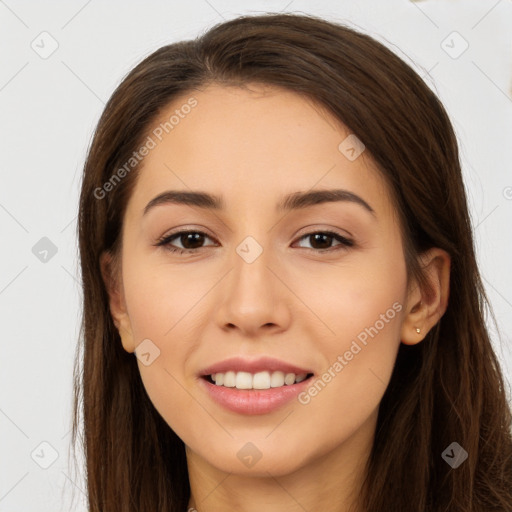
x,y
260,380
289,379
229,379
277,379
243,380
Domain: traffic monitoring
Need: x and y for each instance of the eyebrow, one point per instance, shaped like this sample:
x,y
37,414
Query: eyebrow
x,y
294,201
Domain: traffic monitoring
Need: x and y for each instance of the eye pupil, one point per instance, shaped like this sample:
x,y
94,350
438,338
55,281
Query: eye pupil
x,y
319,236
196,237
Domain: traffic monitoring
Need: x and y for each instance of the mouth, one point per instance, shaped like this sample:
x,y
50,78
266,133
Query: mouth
x,y
254,386
262,380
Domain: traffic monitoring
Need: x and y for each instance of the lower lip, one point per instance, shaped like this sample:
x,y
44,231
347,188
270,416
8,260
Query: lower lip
x,y
251,401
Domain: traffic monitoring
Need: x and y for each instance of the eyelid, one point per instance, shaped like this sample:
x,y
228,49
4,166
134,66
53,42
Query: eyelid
x,y
313,228
184,230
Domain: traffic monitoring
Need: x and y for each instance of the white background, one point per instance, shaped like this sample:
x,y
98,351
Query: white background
x,y
49,108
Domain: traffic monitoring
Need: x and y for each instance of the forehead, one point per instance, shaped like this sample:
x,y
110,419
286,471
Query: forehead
x,y
252,146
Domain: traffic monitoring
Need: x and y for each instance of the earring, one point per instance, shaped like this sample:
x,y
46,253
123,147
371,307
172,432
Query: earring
x,y
418,330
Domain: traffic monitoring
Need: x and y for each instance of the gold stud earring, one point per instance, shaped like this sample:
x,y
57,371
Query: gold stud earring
x,y
418,330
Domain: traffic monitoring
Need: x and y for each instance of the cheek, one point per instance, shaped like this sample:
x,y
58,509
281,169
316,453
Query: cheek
x,y
163,302
159,298
363,308
364,292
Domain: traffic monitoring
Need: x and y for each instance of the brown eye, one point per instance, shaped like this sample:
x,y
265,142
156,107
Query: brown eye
x,y
191,241
322,240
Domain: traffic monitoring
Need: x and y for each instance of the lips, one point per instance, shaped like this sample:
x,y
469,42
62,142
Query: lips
x,y
252,401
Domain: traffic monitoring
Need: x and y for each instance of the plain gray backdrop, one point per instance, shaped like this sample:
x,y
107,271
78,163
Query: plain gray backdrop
x,y
60,62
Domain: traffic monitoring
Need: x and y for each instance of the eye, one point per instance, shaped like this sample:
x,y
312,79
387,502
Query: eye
x,y
191,244
325,238
185,239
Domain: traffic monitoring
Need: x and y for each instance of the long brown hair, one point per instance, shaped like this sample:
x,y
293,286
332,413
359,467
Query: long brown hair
x,y
448,388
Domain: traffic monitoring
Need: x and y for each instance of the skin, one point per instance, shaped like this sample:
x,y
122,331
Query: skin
x,y
293,302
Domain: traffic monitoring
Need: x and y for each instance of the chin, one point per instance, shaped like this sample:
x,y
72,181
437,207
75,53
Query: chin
x,y
258,459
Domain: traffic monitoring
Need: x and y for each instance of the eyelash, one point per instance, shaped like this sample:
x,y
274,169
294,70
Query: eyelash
x,y
166,240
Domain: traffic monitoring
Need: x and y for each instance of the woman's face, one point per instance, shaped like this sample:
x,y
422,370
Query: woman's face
x,y
319,288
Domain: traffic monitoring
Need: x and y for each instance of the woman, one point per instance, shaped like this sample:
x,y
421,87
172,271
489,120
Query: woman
x,y
228,366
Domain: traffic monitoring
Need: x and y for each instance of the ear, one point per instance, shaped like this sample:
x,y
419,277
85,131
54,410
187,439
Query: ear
x,y
427,304
112,277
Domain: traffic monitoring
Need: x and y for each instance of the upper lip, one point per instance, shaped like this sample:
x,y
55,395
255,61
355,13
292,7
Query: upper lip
x,y
261,364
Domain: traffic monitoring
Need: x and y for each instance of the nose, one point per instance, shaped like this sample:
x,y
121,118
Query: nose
x,y
253,298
